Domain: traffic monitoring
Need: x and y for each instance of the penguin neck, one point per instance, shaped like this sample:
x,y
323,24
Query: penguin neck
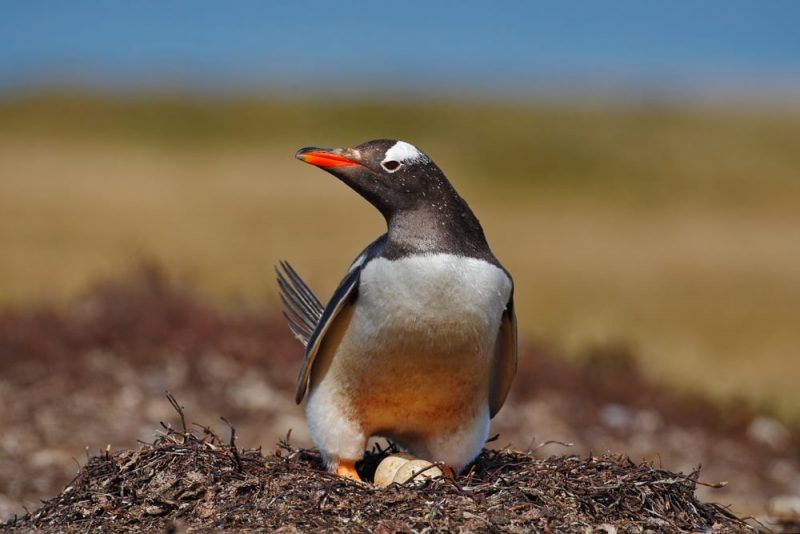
x,y
440,226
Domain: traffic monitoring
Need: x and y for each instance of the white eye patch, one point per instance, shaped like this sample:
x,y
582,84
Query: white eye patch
x,y
402,153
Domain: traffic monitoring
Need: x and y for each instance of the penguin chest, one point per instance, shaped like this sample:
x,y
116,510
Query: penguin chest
x,y
418,347
432,302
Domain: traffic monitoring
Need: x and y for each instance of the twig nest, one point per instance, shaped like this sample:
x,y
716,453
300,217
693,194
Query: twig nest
x,y
388,467
416,471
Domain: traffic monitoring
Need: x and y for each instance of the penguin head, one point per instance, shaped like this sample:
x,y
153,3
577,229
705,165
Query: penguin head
x,y
392,175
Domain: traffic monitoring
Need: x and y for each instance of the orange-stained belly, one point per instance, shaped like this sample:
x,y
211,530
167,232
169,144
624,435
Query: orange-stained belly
x,y
414,357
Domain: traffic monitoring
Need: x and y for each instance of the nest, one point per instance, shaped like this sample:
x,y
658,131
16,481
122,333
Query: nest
x,y
194,481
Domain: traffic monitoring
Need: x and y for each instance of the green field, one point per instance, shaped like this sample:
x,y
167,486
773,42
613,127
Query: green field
x,y
673,229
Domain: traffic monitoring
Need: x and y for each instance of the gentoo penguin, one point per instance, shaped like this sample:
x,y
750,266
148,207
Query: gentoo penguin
x,y
419,342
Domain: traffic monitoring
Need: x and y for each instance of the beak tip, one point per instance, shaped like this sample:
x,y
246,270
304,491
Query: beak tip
x,y
301,154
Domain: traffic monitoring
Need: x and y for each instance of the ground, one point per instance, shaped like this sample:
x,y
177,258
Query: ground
x,y
183,482
89,379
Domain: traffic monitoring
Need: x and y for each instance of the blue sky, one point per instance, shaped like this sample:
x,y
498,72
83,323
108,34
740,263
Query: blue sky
x,y
721,45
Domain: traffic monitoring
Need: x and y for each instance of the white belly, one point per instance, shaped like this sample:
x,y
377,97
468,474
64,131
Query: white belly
x,y
432,303
418,347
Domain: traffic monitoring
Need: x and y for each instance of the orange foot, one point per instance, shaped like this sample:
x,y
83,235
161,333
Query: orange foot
x,y
448,472
347,469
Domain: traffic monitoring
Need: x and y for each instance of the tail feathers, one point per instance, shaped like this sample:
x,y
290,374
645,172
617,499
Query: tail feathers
x,y
301,307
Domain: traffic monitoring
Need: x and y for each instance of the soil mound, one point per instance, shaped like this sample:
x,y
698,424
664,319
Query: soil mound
x,y
193,481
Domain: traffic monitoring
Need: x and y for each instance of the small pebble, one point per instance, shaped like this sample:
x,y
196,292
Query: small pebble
x,y
785,507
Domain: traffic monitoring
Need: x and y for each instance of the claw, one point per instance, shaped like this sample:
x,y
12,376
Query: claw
x,y
347,469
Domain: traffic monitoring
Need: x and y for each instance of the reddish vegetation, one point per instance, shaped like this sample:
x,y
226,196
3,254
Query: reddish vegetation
x,y
95,373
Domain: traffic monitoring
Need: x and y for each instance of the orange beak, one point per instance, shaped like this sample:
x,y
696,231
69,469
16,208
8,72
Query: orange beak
x,y
324,158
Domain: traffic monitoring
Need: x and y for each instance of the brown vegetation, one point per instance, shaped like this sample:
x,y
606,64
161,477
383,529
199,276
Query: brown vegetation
x,y
198,483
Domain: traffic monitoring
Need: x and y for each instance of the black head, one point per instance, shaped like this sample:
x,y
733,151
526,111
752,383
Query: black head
x,y
423,211
392,175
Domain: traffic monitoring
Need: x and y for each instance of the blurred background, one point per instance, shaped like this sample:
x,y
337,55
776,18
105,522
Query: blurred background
x,y
636,165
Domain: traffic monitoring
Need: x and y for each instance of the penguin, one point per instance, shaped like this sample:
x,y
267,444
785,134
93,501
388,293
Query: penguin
x,y
418,343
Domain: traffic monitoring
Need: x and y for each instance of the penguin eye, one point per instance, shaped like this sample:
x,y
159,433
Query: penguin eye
x,y
391,165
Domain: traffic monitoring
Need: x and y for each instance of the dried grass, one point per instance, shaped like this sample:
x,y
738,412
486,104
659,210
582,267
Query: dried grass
x,y
195,481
